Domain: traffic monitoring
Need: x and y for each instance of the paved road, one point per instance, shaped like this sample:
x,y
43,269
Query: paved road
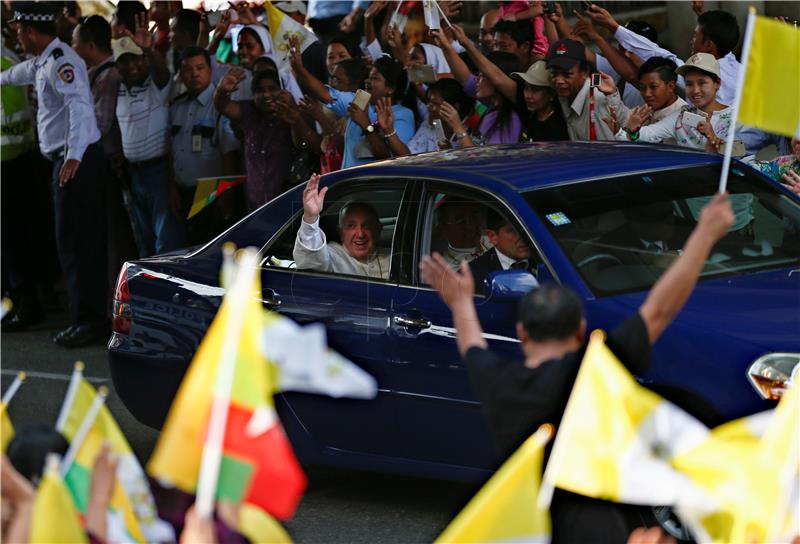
x,y
339,506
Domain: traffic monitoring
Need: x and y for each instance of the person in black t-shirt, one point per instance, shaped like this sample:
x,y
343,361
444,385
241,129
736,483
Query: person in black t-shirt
x,y
517,396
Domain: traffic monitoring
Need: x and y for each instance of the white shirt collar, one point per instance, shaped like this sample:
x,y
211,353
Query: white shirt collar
x,y
580,99
42,58
505,260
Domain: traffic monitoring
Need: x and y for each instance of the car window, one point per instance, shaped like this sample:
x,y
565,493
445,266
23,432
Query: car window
x,y
621,234
454,223
384,198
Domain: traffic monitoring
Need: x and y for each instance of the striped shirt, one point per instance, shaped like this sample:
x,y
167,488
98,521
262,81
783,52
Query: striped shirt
x,y
143,114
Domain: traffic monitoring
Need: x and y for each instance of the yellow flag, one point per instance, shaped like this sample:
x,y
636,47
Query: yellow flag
x,y
505,508
55,518
7,430
771,94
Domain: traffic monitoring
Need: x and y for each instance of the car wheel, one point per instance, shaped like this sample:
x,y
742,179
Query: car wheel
x,y
666,518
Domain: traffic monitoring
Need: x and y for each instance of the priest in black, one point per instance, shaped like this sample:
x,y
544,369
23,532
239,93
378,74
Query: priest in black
x,y
509,251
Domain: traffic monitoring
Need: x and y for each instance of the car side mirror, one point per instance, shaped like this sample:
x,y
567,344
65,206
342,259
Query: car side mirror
x,y
509,285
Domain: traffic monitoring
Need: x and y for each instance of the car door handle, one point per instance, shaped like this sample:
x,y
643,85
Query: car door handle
x,y
271,299
411,322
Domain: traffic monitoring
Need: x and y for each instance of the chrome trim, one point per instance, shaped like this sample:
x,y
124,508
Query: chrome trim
x,y
411,322
772,373
450,332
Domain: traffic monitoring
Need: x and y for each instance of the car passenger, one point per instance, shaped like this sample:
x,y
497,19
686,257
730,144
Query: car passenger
x,y
518,398
359,229
460,224
510,251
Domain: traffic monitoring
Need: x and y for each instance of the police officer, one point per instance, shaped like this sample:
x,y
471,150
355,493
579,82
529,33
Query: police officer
x,y
69,137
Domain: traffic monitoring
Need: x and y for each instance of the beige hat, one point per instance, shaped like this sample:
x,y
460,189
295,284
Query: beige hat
x,y
124,46
291,7
537,75
700,61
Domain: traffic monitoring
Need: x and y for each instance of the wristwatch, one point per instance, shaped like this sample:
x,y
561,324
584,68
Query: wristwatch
x,y
370,128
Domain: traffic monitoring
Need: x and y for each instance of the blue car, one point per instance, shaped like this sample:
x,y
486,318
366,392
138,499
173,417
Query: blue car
x,y
587,211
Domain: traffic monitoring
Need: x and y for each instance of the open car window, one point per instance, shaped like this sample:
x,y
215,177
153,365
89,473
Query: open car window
x,y
621,234
384,197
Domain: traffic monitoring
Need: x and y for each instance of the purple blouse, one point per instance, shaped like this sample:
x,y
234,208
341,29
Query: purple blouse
x,y
490,131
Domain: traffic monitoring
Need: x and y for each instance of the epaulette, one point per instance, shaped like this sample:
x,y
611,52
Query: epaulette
x,y
179,97
57,53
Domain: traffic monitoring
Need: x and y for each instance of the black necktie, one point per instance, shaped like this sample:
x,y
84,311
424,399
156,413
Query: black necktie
x,y
521,265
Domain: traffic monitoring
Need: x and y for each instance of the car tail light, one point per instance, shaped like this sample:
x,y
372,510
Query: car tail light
x,y
121,320
773,373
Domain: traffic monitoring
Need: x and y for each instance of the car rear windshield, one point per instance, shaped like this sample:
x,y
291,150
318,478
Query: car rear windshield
x,y
622,233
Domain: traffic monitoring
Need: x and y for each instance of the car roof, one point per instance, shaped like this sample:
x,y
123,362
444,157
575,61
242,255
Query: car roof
x,y
529,166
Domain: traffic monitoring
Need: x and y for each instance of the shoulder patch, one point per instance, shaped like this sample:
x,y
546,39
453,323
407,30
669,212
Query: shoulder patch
x,y
179,98
57,53
66,72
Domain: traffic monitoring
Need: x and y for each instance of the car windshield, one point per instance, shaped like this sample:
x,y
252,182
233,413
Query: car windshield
x,y
622,233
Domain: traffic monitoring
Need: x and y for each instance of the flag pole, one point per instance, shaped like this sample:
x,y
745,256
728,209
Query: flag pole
x,y
13,388
737,100
446,20
396,10
83,430
77,374
226,372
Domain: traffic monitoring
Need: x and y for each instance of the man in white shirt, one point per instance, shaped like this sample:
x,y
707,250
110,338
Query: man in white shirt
x,y
69,137
716,33
143,114
583,107
359,229
509,251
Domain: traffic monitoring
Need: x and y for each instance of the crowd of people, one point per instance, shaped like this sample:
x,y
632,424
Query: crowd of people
x,y
130,112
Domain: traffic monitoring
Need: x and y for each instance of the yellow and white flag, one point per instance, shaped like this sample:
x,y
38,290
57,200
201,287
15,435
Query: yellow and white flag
x,y
281,28
504,510
770,98
619,441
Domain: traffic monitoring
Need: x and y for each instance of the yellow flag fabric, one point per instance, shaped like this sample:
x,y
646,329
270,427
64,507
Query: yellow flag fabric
x,y
258,526
176,459
505,510
131,500
281,27
771,94
55,519
7,429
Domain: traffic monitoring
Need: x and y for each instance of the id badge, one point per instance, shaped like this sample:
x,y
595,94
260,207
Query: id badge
x,y
197,143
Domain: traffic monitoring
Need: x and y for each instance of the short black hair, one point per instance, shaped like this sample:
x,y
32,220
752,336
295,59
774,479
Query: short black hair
x,y
195,51
519,31
356,69
188,21
643,29
261,75
28,450
127,10
664,67
550,312
495,220
454,94
507,62
394,74
342,40
96,30
722,28
267,61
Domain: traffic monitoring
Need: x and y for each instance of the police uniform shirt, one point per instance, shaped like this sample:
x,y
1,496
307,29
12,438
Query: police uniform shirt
x,y
200,137
143,115
66,110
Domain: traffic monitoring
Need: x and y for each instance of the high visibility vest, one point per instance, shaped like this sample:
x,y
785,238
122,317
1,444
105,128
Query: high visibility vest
x,y
16,122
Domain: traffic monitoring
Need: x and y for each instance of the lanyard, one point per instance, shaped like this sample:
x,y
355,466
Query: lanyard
x,y
592,128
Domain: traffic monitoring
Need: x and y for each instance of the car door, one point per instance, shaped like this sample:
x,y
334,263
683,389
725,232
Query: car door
x,y
356,311
438,405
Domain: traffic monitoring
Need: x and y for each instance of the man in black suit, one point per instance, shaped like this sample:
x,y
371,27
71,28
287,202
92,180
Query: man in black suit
x,y
510,251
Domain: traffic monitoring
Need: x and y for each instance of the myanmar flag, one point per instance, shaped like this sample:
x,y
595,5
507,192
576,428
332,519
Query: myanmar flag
x,y
209,189
505,509
771,93
7,430
54,517
258,466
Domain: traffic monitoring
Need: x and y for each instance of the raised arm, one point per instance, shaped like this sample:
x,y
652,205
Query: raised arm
x,y
457,66
222,94
144,39
306,79
386,122
374,8
671,291
219,33
456,290
503,83
624,67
